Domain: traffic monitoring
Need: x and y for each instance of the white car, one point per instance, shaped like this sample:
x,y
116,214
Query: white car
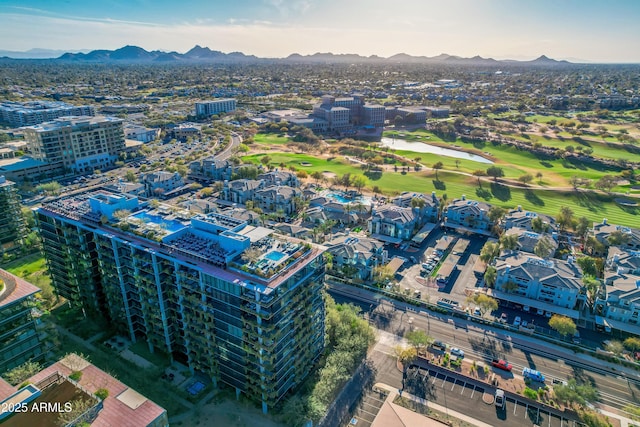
x,y
455,351
499,398
517,321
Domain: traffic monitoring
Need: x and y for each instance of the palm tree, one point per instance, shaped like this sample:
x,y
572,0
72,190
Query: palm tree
x,y
436,167
478,173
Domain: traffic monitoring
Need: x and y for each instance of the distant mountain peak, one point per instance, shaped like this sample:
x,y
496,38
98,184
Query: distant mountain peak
x,y
200,54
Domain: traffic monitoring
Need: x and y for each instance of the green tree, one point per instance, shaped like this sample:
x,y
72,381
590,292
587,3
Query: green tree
x,y
496,213
509,242
317,176
437,166
565,218
490,276
575,393
495,172
632,344
130,176
486,303
618,238
562,324
592,288
588,266
418,202
405,355
418,339
615,346
359,182
526,178
544,248
20,373
489,252
265,160
479,173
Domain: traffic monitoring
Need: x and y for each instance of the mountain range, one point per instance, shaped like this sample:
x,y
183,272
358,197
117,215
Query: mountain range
x,y
198,54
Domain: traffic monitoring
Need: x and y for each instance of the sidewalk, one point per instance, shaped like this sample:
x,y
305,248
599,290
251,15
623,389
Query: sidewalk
x,y
393,392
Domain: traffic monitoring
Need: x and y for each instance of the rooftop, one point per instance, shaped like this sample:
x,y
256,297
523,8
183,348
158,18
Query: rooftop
x,y
235,249
73,121
122,407
15,289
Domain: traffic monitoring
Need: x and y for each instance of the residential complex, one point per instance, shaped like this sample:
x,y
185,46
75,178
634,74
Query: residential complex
x,y
228,299
210,108
548,284
12,225
110,402
19,340
81,144
19,114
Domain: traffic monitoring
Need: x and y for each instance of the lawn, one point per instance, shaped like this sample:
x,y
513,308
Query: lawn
x,y
33,269
514,162
270,139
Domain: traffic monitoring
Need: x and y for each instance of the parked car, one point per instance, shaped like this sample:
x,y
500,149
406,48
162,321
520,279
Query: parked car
x,y
455,351
540,312
499,398
477,312
532,374
526,308
517,321
501,364
503,318
439,345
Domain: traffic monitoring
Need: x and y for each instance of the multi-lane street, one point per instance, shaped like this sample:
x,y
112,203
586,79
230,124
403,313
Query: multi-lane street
x,y
617,387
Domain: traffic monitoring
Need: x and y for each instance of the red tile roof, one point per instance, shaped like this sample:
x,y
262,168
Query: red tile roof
x,y
16,288
6,389
114,412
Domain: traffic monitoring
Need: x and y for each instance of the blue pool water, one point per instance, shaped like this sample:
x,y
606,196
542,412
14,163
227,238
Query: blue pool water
x,y
167,224
339,197
275,256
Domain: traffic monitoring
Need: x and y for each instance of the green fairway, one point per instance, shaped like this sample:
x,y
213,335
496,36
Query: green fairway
x,y
270,139
593,206
515,162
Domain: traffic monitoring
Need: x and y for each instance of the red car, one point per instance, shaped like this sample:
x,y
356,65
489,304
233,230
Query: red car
x,y
501,364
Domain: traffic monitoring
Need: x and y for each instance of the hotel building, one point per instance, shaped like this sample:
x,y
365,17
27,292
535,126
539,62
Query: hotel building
x,y
209,108
81,144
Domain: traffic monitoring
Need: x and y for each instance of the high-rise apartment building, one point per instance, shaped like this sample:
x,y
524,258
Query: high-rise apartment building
x,y
209,108
234,301
82,144
19,114
12,225
18,336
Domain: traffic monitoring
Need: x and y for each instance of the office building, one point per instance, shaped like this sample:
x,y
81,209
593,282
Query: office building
x,y
228,299
81,144
209,108
19,341
31,113
12,226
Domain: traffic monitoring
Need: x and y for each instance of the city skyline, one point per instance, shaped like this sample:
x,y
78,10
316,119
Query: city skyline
x,y
588,31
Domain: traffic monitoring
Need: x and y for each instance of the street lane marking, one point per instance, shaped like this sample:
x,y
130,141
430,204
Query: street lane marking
x,y
472,392
515,406
464,386
453,385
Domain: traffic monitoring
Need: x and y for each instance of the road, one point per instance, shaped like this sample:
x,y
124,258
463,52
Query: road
x,y
616,389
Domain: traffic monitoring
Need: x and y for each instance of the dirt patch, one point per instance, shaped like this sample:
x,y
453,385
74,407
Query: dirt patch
x,y
329,174
487,398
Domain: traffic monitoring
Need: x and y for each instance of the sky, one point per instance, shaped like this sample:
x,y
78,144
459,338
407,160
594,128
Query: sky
x,y
603,31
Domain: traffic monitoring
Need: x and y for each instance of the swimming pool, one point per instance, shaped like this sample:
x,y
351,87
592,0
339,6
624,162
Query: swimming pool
x,y
168,224
340,198
275,256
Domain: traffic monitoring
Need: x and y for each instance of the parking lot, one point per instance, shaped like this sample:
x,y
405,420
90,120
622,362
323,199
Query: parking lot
x,y
465,396
367,408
